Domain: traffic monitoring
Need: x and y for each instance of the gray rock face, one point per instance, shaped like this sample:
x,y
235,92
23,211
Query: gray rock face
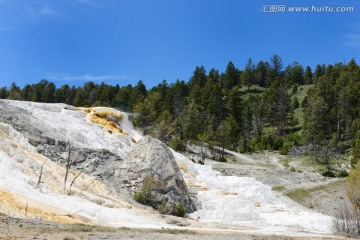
x,y
152,159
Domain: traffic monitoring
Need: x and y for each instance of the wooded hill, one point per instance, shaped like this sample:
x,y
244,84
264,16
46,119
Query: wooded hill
x,y
264,106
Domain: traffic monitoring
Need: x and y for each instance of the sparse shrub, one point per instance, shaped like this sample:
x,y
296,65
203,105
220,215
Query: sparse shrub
x,y
343,174
284,151
278,144
347,221
177,144
172,209
329,173
164,208
278,188
292,169
353,188
354,161
146,195
179,210
222,159
298,195
140,197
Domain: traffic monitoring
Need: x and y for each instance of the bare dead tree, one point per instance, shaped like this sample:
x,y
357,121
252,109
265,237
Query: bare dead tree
x,y
40,174
72,182
347,222
69,162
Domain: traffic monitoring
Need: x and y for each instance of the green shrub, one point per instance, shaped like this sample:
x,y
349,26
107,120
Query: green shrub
x,y
343,174
292,169
354,161
146,195
329,173
177,144
140,197
278,144
222,159
164,208
179,210
284,151
174,209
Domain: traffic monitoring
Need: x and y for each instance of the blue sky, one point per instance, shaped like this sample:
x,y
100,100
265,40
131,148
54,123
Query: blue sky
x,y
122,41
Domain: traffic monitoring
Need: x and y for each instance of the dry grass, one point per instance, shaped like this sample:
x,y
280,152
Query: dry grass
x,y
26,207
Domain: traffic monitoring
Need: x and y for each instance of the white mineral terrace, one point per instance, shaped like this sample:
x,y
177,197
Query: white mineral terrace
x,y
241,201
246,202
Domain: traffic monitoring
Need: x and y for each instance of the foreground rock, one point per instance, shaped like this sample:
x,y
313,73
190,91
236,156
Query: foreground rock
x,y
152,165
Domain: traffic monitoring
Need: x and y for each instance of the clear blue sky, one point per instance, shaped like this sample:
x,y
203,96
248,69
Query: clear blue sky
x,y
122,41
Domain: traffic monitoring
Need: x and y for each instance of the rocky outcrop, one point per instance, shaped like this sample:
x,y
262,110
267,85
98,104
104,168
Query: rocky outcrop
x,y
152,162
124,176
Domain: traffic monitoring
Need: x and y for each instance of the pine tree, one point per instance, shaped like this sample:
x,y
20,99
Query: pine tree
x,y
192,122
261,73
308,75
48,93
231,77
14,92
248,74
4,93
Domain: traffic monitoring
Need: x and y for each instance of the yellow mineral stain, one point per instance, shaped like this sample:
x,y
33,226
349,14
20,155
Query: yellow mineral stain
x,y
26,207
98,120
113,127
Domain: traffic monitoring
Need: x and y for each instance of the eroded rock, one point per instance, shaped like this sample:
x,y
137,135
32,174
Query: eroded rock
x,y
152,159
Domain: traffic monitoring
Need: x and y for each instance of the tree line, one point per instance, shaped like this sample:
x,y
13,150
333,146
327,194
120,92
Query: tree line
x,y
258,107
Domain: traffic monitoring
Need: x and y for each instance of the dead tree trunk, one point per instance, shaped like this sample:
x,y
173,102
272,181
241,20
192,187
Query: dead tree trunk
x,y
40,174
69,162
72,182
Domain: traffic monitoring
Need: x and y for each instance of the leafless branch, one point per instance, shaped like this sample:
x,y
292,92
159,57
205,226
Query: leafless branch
x,y
72,182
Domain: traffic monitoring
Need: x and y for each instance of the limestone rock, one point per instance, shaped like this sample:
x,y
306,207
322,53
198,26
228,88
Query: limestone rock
x,y
152,158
